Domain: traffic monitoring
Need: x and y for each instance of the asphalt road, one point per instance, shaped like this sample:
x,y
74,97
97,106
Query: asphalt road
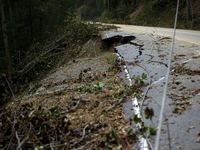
x,y
181,124
191,36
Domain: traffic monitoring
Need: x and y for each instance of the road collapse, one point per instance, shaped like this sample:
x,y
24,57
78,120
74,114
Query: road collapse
x,y
149,54
125,38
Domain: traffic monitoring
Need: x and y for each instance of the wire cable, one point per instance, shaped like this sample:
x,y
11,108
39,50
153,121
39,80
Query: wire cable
x,y
166,84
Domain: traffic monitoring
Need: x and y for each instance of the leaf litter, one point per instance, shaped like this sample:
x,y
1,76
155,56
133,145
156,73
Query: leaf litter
x,y
86,115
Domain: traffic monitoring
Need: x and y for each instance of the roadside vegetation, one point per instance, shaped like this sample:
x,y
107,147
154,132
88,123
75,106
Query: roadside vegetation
x,y
83,112
160,13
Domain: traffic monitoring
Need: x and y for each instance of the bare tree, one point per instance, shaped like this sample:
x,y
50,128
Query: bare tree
x,y
13,32
6,43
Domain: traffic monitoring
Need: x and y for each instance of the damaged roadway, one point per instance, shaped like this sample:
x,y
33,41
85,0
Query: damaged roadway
x,y
149,54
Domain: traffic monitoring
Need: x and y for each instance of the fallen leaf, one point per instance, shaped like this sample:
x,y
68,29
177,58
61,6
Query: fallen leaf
x,y
177,147
190,96
181,55
173,139
177,110
191,127
161,55
158,66
198,140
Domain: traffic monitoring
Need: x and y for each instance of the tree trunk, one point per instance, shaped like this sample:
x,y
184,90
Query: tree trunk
x,y
6,43
188,11
13,32
16,11
30,19
18,20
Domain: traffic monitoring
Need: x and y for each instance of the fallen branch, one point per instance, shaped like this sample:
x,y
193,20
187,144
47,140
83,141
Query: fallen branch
x,y
22,143
82,136
47,93
82,100
119,102
67,111
160,63
18,139
34,62
83,147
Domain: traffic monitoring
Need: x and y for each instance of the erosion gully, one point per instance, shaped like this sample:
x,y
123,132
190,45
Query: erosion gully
x,y
149,54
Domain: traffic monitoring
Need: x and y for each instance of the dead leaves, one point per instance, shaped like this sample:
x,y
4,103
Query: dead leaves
x,y
180,104
72,118
180,107
178,147
179,69
198,140
161,55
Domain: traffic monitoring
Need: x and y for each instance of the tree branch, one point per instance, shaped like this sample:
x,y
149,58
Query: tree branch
x,y
82,136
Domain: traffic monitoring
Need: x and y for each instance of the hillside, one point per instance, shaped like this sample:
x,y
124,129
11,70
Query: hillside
x,y
160,13
59,81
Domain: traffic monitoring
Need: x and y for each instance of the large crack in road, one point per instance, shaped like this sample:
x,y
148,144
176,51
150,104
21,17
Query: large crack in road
x,y
144,53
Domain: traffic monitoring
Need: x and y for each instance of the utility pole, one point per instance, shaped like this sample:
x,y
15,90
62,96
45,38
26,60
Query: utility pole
x,y
188,10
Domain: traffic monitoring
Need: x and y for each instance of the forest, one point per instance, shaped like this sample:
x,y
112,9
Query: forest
x,y
29,26
33,37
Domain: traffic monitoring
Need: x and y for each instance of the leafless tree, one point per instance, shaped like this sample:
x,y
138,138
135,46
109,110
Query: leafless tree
x,y
6,43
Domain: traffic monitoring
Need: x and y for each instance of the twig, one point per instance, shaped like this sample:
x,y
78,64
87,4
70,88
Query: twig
x,y
47,93
24,140
84,132
76,105
160,63
82,100
18,139
22,143
119,102
51,146
70,109
82,135
83,147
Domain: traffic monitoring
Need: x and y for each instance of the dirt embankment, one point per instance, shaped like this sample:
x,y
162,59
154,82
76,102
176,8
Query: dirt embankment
x,y
77,106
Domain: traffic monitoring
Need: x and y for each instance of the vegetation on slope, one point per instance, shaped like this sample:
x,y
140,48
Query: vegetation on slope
x,y
81,112
159,13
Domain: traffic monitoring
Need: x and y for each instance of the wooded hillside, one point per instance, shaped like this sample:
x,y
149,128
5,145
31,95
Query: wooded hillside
x,y
143,12
34,36
35,32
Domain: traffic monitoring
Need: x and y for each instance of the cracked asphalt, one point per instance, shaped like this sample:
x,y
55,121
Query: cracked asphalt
x,y
149,53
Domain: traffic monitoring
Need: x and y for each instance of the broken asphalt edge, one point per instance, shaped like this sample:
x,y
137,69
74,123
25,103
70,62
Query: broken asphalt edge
x,y
142,141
